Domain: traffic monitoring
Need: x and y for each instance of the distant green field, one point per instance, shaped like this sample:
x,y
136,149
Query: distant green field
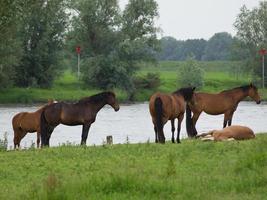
x,y
190,170
218,76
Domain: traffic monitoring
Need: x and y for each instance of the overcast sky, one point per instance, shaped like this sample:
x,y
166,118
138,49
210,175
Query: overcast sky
x,y
194,19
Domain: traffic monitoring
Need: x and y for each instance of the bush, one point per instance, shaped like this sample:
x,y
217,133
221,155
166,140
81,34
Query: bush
x,y
3,143
149,81
191,74
106,73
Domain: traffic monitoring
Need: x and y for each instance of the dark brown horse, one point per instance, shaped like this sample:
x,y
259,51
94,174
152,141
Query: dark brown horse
x,y
224,102
27,122
164,107
81,113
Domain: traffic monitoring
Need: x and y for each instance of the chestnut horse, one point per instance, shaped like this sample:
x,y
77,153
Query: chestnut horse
x,y
164,107
81,113
27,122
224,102
229,133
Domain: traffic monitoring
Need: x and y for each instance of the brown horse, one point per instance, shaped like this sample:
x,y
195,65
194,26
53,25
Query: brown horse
x,y
164,107
224,102
81,113
229,133
27,122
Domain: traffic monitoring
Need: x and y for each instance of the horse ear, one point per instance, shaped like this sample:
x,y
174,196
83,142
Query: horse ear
x,y
251,84
193,88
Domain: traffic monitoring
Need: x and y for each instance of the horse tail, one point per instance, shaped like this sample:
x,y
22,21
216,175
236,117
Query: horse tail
x,y
159,114
189,122
43,128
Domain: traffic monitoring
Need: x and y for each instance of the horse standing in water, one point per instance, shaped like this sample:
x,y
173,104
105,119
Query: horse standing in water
x,y
224,102
81,113
164,107
27,122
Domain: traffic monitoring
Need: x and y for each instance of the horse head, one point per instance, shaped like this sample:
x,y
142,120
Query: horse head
x,y
112,101
253,93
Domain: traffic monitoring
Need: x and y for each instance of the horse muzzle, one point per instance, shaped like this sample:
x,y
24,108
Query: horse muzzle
x,y
258,102
117,108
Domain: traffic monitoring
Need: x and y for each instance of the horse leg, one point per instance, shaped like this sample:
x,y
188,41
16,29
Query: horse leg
x,y
227,117
20,134
180,119
156,134
194,119
173,129
38,139
230,120
85,131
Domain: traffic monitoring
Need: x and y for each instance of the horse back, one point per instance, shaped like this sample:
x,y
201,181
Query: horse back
x,y
213,104
169,105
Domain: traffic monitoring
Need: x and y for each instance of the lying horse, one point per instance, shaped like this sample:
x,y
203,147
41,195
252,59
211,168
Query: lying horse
x,y
224,102
27,122
229,133
164,107
81,113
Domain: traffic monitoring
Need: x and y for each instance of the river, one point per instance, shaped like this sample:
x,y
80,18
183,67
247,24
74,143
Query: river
x,y
132,123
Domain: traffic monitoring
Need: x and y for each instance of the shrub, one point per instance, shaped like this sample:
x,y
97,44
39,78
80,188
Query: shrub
x,y
191,74
3,143
149,81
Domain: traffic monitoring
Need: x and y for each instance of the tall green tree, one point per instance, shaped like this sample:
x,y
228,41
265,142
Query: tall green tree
x,y
10,51
219,47
42,33
251,28
114,42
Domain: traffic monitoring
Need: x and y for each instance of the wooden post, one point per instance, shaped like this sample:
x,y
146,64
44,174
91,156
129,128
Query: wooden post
x,y
109,139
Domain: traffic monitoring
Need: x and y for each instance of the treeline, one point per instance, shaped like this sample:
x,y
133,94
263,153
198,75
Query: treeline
x,y
38,40
219,47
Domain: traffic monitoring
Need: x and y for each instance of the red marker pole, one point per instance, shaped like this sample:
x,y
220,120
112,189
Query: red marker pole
x,y
262,53
78,51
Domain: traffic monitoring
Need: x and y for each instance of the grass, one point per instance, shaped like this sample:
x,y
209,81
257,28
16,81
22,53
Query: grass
x,y
191,170
218,76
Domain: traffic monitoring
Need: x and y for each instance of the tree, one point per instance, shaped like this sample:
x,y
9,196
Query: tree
x,y
190,74
42,33
251,28
10,52
219,47
114,42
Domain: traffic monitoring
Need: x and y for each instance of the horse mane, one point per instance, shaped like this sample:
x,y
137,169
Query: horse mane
x,y
244,88
96,98
187,93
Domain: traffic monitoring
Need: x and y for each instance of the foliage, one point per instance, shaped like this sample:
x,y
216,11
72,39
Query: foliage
x,y
172,49
41,31
149,81
218,47
190,74
192,170
251,28
10,52
114,42
3,143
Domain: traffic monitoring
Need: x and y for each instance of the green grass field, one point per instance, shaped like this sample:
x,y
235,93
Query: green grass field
x,y
218,76
190,170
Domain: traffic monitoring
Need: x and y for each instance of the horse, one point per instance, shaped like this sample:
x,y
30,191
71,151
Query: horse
x,y
225,102
234,132
81,113
164,107
27,122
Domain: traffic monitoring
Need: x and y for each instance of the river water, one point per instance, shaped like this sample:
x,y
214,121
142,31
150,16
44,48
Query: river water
x,y
132,123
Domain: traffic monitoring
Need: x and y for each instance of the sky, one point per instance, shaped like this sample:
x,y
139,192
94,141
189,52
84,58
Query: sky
x,y
195,19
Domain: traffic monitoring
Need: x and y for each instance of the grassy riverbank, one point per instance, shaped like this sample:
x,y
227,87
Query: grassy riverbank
x,y
191,170
218,76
